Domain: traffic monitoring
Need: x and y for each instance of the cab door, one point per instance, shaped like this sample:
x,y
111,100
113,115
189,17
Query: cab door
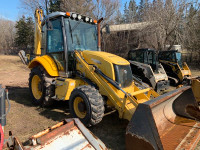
x,y
55,45
152,59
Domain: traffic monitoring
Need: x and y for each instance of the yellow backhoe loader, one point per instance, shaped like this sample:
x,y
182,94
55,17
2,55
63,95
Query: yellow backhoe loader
x,y
68,65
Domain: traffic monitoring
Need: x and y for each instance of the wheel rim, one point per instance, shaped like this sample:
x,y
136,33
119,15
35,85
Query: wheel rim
x,y
36,87
79,107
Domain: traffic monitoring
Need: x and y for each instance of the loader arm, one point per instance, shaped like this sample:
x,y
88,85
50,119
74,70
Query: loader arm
x,y
125,105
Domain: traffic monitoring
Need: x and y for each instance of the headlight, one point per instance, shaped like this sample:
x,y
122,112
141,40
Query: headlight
x,y
86,19
79,17
74,16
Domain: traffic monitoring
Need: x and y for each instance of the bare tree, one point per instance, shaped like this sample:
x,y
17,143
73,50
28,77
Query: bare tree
x,y
93,8
106,9
7,34
97,9
166,18
30,5
84,7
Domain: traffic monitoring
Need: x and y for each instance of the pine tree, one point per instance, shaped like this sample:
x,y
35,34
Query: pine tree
x,y
54,5
132,11
192,12
24,38
126,13
30,31
140,10
143,6
119,18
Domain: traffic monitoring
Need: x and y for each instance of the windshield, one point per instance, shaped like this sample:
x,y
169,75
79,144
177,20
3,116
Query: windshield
x,y
179,59
123,75
81,35
136,56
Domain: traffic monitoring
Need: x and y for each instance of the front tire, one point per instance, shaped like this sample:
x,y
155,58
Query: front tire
x,y
87,104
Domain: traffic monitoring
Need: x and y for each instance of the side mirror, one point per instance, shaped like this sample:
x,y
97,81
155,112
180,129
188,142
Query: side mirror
x,y
107,28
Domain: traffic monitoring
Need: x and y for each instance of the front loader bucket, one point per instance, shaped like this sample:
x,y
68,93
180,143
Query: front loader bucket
x,y
166,122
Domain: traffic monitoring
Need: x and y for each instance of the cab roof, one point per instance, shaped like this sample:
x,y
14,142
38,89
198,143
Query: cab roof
x,y
142,49
166,51
65,14
53,15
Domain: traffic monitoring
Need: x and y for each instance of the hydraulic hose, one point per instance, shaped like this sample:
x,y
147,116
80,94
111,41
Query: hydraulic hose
x,y
1,137
109,80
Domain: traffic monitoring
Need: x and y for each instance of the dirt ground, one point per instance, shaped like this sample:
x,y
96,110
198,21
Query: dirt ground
x,y
25,119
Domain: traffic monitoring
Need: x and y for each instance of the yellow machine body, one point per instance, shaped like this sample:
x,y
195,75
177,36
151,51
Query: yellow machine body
x,y
38,30
195,89
64,88
181,73
104,61
125,105
176,70
47,62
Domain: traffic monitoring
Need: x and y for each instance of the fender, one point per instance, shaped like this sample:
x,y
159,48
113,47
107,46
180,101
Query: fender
x,y
47,62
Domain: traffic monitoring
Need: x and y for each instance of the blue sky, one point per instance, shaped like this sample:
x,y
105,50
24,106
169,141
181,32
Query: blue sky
x,y
10,9
122,2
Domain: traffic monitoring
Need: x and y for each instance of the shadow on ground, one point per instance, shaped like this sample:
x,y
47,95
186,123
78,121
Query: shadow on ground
x,y
111,126
56,112
111,130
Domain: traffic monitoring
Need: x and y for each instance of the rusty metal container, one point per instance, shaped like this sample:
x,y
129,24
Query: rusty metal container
x,y
66,135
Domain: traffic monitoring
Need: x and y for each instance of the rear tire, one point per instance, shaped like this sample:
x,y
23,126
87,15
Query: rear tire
x,y
38,89
87,104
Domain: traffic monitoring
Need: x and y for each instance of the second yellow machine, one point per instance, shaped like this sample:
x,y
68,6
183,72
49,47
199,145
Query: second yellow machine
x,y
68,65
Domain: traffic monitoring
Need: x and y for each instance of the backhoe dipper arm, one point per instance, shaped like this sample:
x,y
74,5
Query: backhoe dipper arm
x,y
38,31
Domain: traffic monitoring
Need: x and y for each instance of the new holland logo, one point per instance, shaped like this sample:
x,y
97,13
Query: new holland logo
x,y
96,61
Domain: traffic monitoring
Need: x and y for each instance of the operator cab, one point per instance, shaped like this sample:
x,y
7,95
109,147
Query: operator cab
x,y
62,33
171,56
146,56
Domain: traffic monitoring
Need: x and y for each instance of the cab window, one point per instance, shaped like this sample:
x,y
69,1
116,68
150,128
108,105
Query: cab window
x,y
137,56
55,44
55,37
168,56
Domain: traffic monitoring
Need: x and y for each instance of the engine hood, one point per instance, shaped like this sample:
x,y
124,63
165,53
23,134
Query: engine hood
x,y
104,61
94,55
